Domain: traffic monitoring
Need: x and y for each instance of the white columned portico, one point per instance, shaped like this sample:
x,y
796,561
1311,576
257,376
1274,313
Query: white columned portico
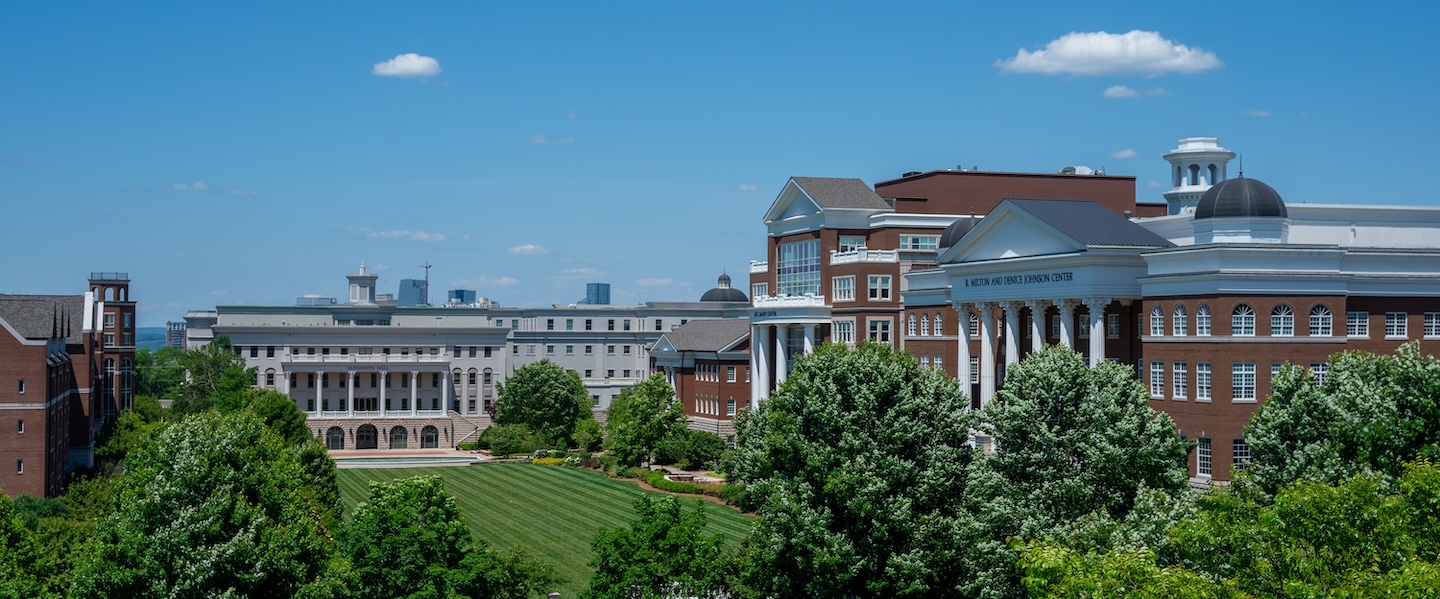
x,y
1037,323
770,361
963,365
782,367
384,382
809,338
350,396
987,352
414,404
1012,331
759,363
1097,305
1067,321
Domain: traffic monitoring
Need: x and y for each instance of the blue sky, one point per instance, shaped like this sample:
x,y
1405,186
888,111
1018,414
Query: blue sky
x,y
249,153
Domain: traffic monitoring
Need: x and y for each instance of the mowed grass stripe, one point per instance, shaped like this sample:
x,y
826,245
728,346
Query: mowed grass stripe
x,y
551,513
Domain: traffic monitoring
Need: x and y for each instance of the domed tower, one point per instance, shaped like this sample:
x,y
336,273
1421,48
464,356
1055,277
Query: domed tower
x,y
956,231
723,292
1195,165
1241,210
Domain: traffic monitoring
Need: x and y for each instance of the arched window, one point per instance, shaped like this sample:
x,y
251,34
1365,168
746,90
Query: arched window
x,y
471,378
399,437
429,437
939,330
1177,321
1194,174
1320,321
1157,321
455,377
366,437
1202,321
1213,174
335,438
269,377
974,324
911,330
1242,321
924,325
1282,321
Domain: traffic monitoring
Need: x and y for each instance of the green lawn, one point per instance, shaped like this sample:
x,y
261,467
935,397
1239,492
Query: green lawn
x,y
550,512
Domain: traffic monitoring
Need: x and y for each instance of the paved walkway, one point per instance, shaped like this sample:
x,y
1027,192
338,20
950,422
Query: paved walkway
x,y
405,458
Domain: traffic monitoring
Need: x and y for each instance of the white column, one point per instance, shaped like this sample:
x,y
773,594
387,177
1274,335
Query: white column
x,y
1067,322
286,375
987,352
350,401
809,338
384,380
1037,323
464,392
319,399
1012,331
1097,328
758,362
963,365
445,392
414,403
781,366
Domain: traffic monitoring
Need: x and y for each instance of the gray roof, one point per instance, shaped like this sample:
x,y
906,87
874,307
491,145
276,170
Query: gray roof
x,y
37,316
1090,223
831,192
708,335
1240,197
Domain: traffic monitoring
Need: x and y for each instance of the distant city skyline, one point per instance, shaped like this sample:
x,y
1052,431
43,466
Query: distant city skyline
x,y
252,154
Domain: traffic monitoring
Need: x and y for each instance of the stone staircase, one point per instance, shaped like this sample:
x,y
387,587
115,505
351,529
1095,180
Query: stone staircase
x,y
468,428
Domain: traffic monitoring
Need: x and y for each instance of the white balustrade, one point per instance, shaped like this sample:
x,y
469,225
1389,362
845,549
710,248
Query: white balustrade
x,y
759,266
864,255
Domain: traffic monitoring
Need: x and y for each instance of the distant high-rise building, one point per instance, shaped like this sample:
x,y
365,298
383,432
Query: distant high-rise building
x,y
597,294
311,299
462,296
175,334
413,292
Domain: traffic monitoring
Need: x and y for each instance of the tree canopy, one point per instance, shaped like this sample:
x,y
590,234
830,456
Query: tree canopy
x,y
641,418
545,397
217,377
664,552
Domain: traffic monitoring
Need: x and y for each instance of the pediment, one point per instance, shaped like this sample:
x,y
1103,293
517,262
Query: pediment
x,y
792,202
1010,233
662,345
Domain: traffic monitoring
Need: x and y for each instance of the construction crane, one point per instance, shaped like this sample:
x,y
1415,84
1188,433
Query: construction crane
x,y
426,266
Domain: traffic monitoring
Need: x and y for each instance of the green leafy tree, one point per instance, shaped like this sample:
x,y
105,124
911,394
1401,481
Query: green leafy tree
x,y
216,377
545,397
507,439
587,434
409,540
663,553
213,505
641,418
280,414
1072,440
1373,413
159,373
131,429
18,560
1054,571
691,449
855,465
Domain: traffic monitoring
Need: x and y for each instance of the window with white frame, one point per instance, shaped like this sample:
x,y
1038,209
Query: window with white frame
x,y
1432,324
1157,379
1157,321
1202,456
1240,455
729,374
1282,321
1202,321
939,362
730,407
1055,326
850,243
1320,321
843,331
1320,369
974,370
1084,322
880,330
1177,321
1395,325
1112,326
974,320
1242,321
1242,381
1357,324
939,330
924,360
842,289
1202,381
924,325
756,290
1179,389
879,288
910,330
797,267
919,242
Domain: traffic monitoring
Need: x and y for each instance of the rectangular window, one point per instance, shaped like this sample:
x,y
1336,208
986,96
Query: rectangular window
x,y
658,326
1242,381
612,324
1395,325
974,370
879,288
1180,390
1202,456
21,386
842,289
128,322
939,362
1320,369
128,338
589,350
626,373
269,379
589,374
729,374
515,323
487,351
1202,321
569,350
757,290
515,350
472,351
20,426
1240,455
844,331
269,351
549,324
610,374
627,324
730,407
850,243
457,351
1055,326
1357,324
1202,381
1157,379
610,349
109,321
588,324
625,350
109,339
797,269
549,350
919,242
1432,324
1112,326
880,330
569,324
924,361
1084,325
530,349
19,466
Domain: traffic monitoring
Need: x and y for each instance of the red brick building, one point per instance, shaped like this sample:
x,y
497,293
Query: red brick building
x,y
708,364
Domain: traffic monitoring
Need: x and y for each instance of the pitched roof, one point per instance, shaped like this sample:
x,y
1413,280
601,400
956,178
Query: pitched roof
x,y
708,335
1090,223
37,316
830,192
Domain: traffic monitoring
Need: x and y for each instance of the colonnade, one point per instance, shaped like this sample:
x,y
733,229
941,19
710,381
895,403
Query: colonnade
x,y
350,380
761,358
987,363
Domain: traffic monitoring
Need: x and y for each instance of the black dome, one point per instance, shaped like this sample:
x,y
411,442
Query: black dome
x,y
723,292
1240,197
956,230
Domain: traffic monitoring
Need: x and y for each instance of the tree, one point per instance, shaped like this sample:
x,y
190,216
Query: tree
x,y
159,373
1373,413
216,377
18,566
131,429
507,439
1072,440
640,418
663,553
855,465
545,397
691,449
587,433
278,412
216,504
409,540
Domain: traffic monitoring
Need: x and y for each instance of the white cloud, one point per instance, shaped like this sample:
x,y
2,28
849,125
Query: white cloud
x,y
196,186
1123,154
582,272
529,249
1120,91
407,65
1256,112
655,282
1138,52
400,234
1153,184
1156,91
487,282
571,115
539,139
201,186
746,188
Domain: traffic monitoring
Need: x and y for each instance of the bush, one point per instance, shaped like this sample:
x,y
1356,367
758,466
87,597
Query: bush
x,y
507,439
574,461
606,463
691,450
634,472
732,494
548,461
468,446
